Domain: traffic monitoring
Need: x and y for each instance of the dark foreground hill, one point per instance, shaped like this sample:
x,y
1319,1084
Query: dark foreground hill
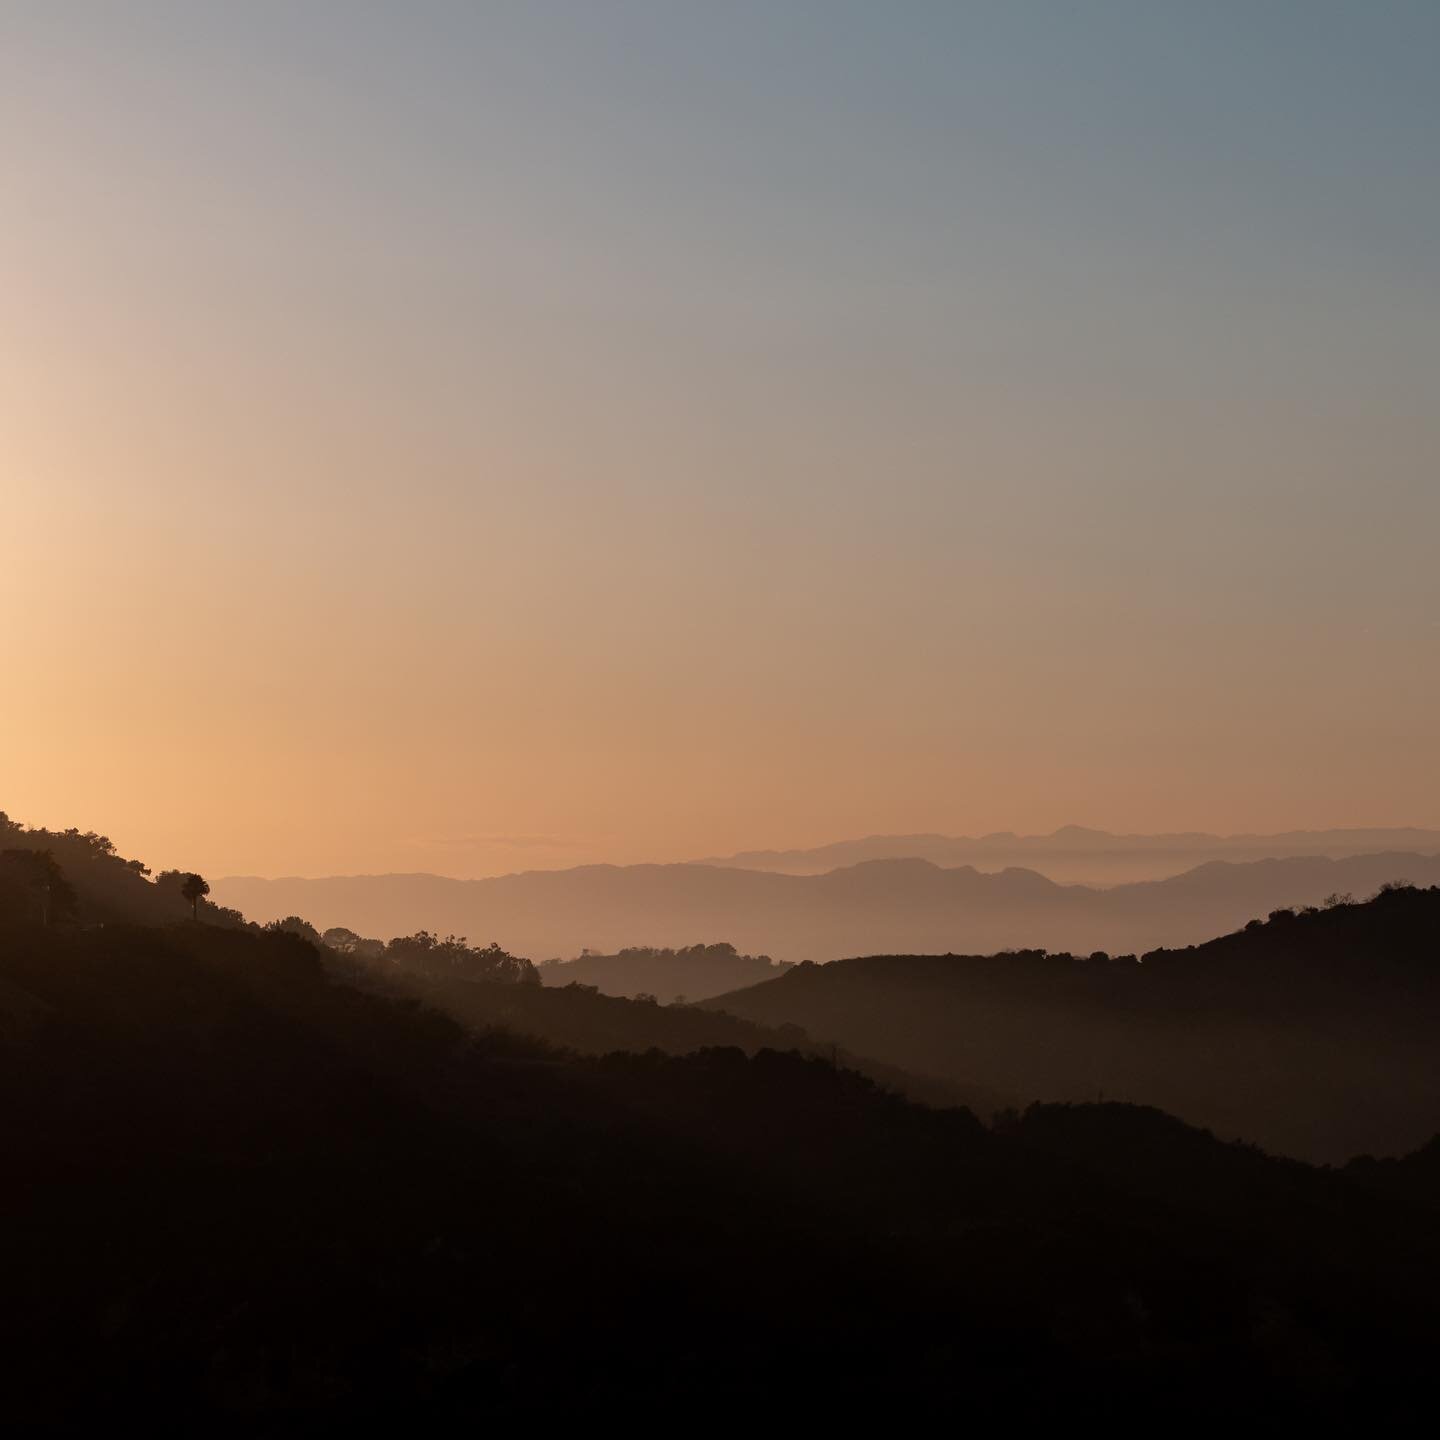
x,y
244,1197
891,906
1313,1034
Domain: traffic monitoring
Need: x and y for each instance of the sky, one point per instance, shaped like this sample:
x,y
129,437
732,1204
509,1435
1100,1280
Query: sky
x,y
479,437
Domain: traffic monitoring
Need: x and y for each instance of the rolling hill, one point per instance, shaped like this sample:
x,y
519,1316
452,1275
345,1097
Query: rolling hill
x,y
1311,1034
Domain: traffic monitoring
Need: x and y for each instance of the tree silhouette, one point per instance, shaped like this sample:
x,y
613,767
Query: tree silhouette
x,y
296,925
35,876
194,888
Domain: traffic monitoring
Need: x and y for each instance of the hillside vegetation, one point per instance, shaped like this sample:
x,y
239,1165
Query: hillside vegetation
x,y
692,972
91,882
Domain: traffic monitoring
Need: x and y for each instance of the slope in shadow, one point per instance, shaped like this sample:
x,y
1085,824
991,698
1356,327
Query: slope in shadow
x,y
1312,1034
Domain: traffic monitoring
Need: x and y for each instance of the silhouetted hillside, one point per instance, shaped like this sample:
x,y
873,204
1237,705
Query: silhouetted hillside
x,y
892,906
1415,1177
246,1196
1312,1034
103,887
693,972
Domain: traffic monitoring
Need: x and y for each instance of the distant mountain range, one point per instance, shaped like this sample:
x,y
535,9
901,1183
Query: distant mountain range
x,y
1075,853
909,906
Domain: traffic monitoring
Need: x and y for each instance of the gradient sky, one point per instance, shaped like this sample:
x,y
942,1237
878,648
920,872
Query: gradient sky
x,y
478,437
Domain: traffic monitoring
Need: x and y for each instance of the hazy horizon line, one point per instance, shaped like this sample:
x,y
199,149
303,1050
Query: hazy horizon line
x,y
724,862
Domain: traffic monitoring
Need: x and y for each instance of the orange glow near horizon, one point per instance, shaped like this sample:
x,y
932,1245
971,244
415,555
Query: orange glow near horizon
x,y
376,505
